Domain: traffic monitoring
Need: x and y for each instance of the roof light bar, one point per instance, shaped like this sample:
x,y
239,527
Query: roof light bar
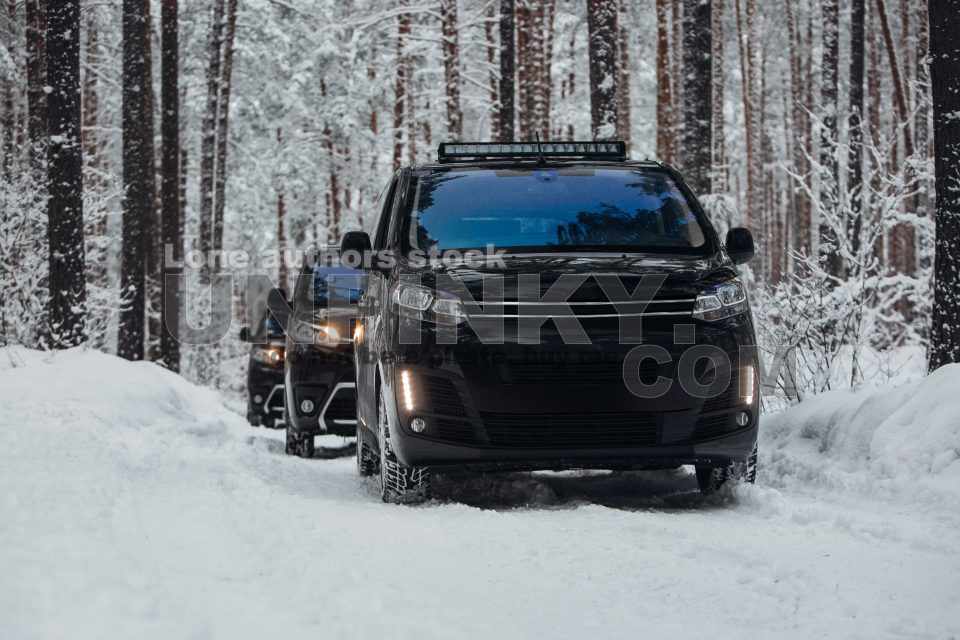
x,y
453,151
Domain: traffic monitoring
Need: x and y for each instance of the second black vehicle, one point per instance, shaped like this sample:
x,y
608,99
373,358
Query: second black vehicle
x,y
551,306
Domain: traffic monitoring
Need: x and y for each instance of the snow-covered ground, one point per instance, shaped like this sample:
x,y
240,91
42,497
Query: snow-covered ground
x,y
133,504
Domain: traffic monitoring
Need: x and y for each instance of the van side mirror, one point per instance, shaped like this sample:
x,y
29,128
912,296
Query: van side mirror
x,y
244,334
356,241
279,306
740,245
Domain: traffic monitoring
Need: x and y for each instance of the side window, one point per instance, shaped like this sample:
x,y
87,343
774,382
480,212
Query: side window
x,y
383,218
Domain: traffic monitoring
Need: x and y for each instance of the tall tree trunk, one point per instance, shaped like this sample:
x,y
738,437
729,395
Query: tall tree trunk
x,y
902,241
799,121
829,167
855,123
624,121
9,120
546,67
451,68
676,73
36,81
750,69
664,84
718,156
91,107
697,94
137,171
495,107
68,290
283,277
223,125
152,232
208,140
400,89
602,30
171,228
923,101
525,70
945,78
507,57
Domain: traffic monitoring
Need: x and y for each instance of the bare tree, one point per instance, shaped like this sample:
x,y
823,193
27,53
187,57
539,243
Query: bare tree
x,y
945,78
602,28
451,68
68,291
829,167
171,225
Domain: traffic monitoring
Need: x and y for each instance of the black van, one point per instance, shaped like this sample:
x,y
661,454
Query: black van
x,y
265,372
546,306
319,321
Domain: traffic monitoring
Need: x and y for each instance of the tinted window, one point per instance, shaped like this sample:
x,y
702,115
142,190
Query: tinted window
x,y
552,209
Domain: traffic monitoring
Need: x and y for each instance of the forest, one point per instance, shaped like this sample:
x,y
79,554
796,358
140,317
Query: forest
x,y
135,133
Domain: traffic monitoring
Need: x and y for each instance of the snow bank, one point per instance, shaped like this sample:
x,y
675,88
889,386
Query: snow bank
x,y
893,436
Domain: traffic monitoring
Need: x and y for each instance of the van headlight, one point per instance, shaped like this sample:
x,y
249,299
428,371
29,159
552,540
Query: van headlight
x,y
304,331
421,303
721,301
268,356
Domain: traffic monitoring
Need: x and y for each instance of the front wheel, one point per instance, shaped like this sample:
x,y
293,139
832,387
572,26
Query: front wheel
x,y
366,457
297,444
712,479
399,483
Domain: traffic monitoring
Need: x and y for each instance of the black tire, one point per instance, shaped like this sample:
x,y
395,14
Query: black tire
x,y
712,479
399,483
366,457
297,444
253,419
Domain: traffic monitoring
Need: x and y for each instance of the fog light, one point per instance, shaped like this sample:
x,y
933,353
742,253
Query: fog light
x,y
407,386
307,406
258,398
419,425
743,418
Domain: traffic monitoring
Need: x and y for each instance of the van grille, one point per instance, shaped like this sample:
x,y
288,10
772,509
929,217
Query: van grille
x,y
560,431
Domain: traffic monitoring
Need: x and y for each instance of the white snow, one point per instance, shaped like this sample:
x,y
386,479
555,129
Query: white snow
x,y
134,504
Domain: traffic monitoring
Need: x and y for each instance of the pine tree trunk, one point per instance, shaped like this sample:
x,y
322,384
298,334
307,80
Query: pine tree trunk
x,y
9,112
546,69
152,232
169,184
137,171
208,140
602,30
718,160
36,81
525,71
488,31
676,73
697,92
923,103
664,84
68,290
507,58
451,68
799,123
945,78
750,70
855,123
283,278
400,89
829,167
223,124
624,121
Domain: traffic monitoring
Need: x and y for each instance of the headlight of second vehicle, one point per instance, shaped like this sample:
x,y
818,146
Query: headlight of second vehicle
x,y
720,302
421,303
309,331
269,356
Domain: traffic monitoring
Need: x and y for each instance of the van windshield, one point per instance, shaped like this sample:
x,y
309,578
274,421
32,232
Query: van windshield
x,y
552,209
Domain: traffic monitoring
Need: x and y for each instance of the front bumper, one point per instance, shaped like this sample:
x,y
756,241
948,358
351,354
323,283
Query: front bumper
x,y
512,407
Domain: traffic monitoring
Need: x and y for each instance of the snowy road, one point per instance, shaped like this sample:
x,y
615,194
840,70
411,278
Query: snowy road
x,y
133,504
